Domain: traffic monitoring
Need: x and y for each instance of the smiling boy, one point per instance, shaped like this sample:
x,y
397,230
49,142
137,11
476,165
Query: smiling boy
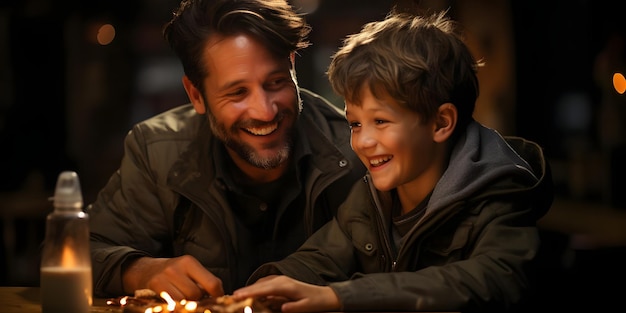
x,y
445,218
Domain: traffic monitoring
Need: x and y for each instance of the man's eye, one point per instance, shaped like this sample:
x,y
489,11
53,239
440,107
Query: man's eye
x,y
238,92
279,82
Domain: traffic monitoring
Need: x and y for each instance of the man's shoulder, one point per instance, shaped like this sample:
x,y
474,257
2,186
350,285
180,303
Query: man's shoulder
x,y
313,102
180,123
319,113
327,129
174,119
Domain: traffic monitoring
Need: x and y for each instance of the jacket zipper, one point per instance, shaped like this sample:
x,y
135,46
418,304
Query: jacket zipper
x,y
385,234
221,226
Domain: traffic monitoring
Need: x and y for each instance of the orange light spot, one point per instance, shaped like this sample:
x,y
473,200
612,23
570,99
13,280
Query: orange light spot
x,y
171,304
619,83
106,34
68,256
191,306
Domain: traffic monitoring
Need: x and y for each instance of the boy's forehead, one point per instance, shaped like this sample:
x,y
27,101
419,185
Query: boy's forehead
x,y
363,91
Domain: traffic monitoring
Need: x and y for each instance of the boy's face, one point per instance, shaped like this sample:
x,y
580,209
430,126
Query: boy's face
x,y
396,147
251,98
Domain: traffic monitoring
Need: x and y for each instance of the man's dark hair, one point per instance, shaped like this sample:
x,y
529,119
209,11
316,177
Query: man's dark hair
x,y
273,22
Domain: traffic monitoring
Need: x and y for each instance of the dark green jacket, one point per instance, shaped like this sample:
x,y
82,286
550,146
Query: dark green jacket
x,y
165,201
471,251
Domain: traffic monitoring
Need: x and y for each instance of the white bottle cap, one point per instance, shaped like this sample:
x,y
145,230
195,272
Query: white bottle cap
x,y
67,195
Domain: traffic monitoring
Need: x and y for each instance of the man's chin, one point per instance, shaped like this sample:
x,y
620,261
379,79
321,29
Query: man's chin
x,y
267,162
268,158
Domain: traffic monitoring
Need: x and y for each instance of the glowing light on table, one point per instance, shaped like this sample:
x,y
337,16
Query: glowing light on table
x,y
171,304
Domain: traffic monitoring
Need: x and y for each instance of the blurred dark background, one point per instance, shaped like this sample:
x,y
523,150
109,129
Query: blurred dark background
x,y
70,89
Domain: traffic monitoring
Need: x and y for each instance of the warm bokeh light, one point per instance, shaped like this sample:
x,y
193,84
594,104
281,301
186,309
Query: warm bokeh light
x,y
106,34
191,306
171,304
68,256
619,83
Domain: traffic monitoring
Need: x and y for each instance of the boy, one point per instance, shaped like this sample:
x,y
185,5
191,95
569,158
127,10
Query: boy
x,y
445,218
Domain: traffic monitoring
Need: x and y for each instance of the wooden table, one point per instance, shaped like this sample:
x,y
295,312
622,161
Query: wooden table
x,y
27,300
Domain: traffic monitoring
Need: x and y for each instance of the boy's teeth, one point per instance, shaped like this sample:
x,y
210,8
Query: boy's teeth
x,y
380,161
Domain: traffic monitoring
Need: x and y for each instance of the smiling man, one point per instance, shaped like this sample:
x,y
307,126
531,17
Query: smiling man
x,y
208,191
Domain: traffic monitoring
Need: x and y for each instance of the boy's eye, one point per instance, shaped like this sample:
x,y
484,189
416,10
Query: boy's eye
x,y
354,124
378,122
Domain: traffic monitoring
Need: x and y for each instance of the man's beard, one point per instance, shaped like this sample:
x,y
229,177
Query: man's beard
x,y
247,152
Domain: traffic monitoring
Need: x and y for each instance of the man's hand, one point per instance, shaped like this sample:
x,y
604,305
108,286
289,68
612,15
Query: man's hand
x,y
182,277
298,296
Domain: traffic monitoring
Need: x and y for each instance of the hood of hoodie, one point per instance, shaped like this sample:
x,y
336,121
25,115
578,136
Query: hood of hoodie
x,y
483,163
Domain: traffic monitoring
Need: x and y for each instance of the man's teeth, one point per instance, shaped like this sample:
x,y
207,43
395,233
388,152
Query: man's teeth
x,y
260,131
380,161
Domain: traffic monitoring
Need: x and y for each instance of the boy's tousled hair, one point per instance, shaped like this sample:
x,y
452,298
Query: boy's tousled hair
x,y
420,61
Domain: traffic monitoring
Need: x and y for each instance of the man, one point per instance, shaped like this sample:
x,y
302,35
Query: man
x,y
242,175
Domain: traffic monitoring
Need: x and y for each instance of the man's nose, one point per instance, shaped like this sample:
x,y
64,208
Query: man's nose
x,y
263,106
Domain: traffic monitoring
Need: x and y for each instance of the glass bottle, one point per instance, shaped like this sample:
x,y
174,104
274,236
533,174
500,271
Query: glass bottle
x,y
65,278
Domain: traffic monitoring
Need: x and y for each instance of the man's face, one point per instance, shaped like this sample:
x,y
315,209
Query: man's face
x,y
252,100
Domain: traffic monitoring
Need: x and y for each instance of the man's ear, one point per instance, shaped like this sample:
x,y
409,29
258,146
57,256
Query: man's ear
x,y
445,122
195,96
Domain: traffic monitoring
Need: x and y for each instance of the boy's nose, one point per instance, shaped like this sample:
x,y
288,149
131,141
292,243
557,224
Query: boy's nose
x,y
363,140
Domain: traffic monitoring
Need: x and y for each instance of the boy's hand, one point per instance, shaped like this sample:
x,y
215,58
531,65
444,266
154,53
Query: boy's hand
x,y
297,296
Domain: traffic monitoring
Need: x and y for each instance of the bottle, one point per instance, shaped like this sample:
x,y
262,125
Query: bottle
x,y
65,273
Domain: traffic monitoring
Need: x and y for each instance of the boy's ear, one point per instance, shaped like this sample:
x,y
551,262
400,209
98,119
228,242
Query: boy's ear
x,y
195,96
445,123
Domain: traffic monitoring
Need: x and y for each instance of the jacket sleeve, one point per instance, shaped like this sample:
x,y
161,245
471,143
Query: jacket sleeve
x,y
127,219
325,257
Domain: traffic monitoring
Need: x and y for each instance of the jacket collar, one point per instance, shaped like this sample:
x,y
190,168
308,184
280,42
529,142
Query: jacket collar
x,y
197,163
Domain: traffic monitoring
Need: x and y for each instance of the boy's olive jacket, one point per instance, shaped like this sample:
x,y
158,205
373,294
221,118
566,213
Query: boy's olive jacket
x,y
471,251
